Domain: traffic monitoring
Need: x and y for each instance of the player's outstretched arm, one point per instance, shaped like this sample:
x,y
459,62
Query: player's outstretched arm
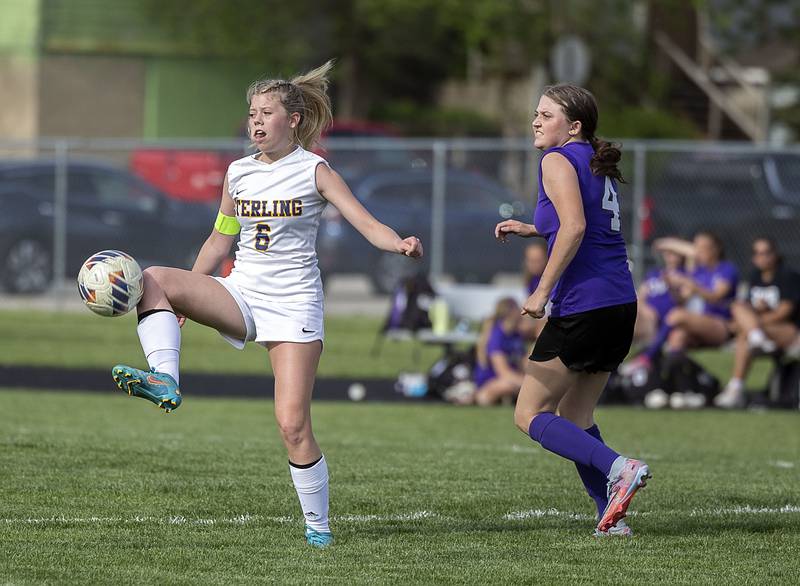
x,y
218,244
509,227
335,190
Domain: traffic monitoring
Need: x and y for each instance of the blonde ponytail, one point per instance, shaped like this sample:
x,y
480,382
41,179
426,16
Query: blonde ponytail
x,y
318,113
305,94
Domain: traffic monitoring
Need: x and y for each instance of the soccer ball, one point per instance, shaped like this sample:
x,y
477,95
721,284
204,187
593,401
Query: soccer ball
x,y
110,283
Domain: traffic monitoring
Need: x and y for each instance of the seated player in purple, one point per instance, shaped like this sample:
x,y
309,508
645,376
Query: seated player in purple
x,y
766,321
534,264
656,298
499,355
587,279
707,291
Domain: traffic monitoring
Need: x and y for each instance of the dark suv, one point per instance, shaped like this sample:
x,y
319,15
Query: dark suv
x,y
735,195
107,207
403,199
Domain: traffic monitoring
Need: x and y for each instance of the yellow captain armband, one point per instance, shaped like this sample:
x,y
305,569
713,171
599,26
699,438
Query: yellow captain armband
x,y
227,225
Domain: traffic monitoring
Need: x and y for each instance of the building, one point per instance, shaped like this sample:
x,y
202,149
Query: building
x,y
91,68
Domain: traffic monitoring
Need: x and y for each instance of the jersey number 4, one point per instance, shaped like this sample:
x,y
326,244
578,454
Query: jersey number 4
x,y
611,203
262,237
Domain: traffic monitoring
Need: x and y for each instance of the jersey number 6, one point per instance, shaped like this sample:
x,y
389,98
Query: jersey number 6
x,y
262,237
611,203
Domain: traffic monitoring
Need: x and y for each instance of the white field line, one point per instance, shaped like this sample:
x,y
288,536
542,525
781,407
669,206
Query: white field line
x,y
782,464
745,510
247,518
541,513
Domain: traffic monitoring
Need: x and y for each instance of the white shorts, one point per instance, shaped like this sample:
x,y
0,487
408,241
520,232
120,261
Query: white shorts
x,y
272,321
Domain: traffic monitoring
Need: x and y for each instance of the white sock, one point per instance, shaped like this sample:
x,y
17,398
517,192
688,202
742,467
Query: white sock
x,y
756,337
735,385
311,485
616,467
160,337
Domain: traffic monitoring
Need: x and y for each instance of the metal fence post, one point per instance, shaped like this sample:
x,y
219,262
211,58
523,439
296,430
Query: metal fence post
x,y
639,210
60,215
439,186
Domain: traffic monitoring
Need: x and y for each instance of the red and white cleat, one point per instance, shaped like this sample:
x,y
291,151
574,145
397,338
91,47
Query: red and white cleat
x,y
632,477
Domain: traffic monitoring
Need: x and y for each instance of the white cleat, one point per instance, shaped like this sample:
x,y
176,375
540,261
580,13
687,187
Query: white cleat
x,y
730,398
656,399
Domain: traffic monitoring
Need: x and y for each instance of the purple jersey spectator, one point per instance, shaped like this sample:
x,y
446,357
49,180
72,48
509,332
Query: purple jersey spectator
x,y
709,277
509,344
598,276
533,283
659,297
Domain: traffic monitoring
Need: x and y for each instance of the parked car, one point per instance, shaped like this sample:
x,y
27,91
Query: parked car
x,y
107,207
185,174
735,195
351,163
402,199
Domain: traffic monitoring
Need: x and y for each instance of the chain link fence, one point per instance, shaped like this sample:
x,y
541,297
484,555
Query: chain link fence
x,y
65,199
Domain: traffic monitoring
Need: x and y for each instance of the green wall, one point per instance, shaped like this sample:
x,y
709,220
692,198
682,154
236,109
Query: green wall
x,y
197,98
19,26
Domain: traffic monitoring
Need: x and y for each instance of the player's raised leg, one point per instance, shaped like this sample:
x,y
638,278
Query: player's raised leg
x,y
295,367
169,292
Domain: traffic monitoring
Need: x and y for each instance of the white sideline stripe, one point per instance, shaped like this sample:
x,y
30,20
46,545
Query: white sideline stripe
x,y
370,518
247,518
782,464
745,510
540,513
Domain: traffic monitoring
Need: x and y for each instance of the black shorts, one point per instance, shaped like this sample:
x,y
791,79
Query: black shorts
x,y
591,341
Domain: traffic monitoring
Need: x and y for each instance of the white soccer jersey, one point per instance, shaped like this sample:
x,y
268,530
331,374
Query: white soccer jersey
x,y
279,208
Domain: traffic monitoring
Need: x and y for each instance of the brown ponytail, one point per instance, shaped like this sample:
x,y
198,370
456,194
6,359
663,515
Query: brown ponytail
x,y
306,94
605,159
580,105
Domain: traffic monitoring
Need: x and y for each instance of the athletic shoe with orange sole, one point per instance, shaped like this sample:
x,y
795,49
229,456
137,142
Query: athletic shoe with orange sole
x,y
620,529
632,477
157,387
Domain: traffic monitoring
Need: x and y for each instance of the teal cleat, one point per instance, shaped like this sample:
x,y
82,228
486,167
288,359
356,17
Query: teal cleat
x,y
318,539
157,387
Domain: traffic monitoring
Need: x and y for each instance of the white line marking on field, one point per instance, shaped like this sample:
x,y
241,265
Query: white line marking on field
x,y
370,518
782,464
539,513
745,510
247,518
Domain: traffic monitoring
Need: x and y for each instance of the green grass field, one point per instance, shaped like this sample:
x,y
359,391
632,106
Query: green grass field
x,y
104,489
84,340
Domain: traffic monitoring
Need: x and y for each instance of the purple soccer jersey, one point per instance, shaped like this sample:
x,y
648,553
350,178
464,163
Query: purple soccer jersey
x,y
509,344
533,282
598,276
709,277
659,296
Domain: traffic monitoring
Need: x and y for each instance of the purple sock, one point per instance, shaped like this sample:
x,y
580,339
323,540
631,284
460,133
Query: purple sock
x,y
654,348
593,480
562,437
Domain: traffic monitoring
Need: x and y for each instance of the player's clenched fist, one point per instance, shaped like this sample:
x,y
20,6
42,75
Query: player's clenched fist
x,y
411,246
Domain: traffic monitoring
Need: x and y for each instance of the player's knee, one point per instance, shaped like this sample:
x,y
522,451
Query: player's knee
x,y
523,418
676,317
294,430
156,276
